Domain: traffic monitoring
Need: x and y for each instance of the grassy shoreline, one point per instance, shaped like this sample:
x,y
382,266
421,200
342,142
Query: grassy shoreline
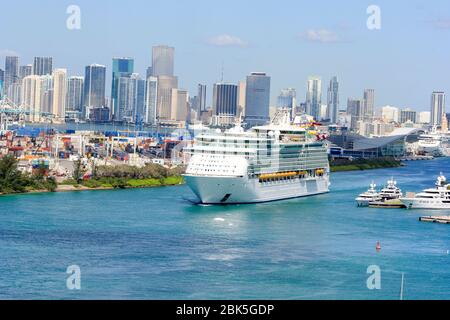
x,y
88,186
14,181
122,183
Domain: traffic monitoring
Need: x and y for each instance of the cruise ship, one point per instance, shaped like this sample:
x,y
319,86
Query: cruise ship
x,y
433,198
277,161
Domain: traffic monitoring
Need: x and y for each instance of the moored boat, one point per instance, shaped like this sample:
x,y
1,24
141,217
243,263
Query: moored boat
x,y
391,191
370,195
437,198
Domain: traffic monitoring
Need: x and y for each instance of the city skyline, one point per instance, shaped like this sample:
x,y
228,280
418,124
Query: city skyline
x,y
407,29
128,101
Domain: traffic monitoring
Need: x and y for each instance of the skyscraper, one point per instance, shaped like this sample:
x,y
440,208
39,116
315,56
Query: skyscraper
x,y
31,97
25,71
42,66
224,103
11,72
369,104
355,109
149,72
164,103
163,61
201,99
314,97
139,86
121,101
59,93
15,93
74,103
94,88
179,108
122,68
130,98
407,115
46,87
333,100
225,99
2,82
151,101
287,98
424,117
257,99
437,107
390,114
241,98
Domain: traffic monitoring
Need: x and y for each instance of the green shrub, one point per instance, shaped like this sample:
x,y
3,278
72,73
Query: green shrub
x,y
69,182
11,179
92,184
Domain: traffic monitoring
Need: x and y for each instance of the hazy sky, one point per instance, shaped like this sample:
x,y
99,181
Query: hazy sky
x,y
289,39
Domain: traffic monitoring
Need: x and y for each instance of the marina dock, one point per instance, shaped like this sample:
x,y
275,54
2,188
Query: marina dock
x,y
436,219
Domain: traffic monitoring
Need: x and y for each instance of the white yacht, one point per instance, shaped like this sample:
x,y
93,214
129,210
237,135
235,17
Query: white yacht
x,y
272,162
434,198
391,191
370,195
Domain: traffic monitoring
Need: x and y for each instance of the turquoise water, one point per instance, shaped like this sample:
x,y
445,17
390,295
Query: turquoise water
x,y
154,244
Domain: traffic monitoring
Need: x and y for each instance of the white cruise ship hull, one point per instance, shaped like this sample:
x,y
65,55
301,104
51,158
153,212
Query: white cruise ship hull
x,y
238,190
433,204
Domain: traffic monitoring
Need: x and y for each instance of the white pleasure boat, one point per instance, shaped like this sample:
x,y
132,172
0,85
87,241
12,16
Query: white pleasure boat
x,y
370,195
391,191
434,198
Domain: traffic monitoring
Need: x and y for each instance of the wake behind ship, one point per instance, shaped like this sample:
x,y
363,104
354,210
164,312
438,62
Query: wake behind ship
x,y
268,163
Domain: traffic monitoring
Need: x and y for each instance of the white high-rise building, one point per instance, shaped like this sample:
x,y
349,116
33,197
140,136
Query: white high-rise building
x,y
31,97
15,93
424,117
437,108
151,101
390,114
314,97
59,93
323,112
242,91
46,94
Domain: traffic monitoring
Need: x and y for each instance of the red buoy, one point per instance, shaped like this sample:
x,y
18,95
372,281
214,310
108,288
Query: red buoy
x,y
378,246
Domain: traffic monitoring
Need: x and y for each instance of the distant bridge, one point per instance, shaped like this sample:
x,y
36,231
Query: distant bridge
x,y
8,107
